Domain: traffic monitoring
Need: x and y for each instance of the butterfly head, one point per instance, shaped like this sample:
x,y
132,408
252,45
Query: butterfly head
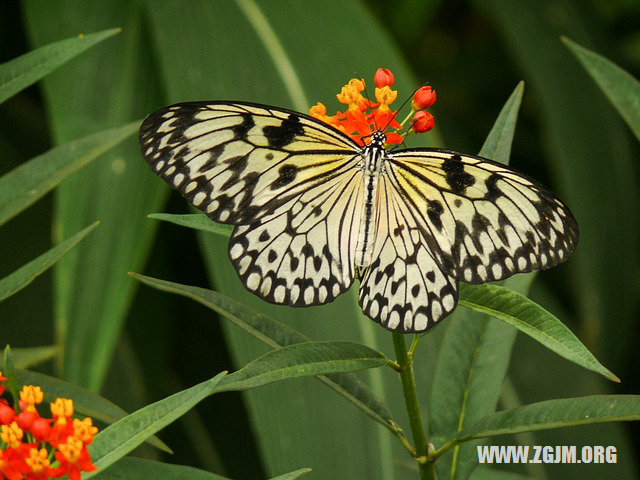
x,y
378,138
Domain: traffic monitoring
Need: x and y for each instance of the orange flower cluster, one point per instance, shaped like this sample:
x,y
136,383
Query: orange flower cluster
x,y
364,116
38,448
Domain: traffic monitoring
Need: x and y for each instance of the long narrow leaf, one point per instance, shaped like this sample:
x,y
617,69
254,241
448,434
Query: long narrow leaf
x,y
276,334
22,277
198,221
118,439
303,360
23,71
530,318
564,412
27,183
622,89
31,356
133,468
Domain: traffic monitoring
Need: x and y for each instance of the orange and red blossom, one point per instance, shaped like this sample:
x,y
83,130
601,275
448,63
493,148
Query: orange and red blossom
x,y
422,122
33,447
383,78
363,116
423,98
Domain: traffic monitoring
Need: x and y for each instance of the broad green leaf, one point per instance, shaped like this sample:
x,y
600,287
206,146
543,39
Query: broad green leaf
x,y
22,277
622,89
133,468
113,84
19,73
27,183
580,130
276,335
118,439
85,402
475,350
198,221
32,356
530,318
565,412
303,360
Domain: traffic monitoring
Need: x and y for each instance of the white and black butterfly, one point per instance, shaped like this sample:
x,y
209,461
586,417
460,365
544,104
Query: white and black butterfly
x,y
312,210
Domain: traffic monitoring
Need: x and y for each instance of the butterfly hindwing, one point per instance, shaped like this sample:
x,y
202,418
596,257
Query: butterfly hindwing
x,y
405,288
238,161
489,220
303,253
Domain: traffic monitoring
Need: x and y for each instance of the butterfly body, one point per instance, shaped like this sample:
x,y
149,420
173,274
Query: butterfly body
x,y
313,210
373,158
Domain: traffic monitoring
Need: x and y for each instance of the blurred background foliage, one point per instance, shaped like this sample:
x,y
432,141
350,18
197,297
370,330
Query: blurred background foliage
x,y
137,345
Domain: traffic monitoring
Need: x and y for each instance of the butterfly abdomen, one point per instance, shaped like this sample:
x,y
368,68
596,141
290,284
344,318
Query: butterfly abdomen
x,y
373,158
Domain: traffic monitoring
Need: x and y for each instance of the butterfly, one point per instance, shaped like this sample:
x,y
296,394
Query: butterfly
x,y
313,210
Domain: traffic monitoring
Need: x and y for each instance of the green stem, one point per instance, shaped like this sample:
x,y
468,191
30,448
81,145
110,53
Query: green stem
x,y
427,471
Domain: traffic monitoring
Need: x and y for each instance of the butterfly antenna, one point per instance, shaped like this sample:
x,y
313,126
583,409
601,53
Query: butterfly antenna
x,y
404,136
366,94
402,106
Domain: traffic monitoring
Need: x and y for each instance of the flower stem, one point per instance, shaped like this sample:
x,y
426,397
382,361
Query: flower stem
x,y
427,471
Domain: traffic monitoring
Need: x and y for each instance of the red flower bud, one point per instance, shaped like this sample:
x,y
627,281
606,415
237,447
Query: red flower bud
x,y
26,418
422,122
41,428
424,98
383,78
7,414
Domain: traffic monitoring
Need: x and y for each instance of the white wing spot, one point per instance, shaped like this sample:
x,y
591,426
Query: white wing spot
x,y
198,198
496,270
448,302
278,294
253,280
522,263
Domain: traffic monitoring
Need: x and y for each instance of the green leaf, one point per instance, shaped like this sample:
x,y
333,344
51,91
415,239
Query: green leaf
x,y
19,73
618,85
118,439
276,335
292,475
198,221
580,130
483,473
27,183
22,277
132,468
303,360
115,84
530,318
32,356
497,145
565,412
85,402
475,351
9,372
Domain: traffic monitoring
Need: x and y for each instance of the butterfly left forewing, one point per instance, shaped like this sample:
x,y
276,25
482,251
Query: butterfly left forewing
x,y
238,161
489,220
